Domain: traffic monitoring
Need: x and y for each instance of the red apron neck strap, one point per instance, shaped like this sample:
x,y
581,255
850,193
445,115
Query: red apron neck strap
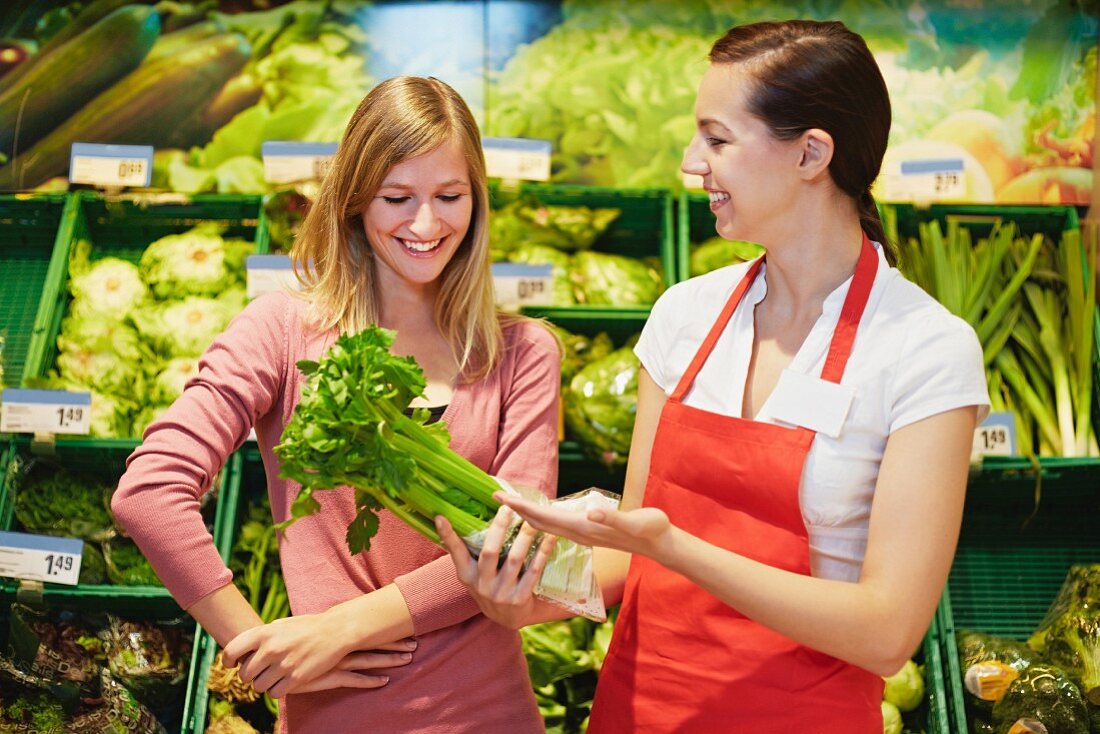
x,y
715,331
844,336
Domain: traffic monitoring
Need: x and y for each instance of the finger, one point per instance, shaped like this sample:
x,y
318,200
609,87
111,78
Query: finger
x,y
374,660
521,544
267,679
538,563
341,679
542,517
406,645
249,667
464,562
489,556
243,644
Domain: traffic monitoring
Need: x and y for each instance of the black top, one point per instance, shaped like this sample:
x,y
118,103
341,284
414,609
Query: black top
x,y
435,413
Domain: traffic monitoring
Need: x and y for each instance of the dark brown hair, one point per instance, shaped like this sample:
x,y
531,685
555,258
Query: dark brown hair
x,y
819,74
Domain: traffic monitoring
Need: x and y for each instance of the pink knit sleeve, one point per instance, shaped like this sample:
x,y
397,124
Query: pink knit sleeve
x,y
527,454
157,501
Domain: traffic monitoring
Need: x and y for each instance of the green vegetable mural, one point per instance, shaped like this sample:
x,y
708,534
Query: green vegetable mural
x,y
1005,89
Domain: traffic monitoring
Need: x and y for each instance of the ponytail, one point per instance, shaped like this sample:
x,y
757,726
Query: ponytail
x,y
871,223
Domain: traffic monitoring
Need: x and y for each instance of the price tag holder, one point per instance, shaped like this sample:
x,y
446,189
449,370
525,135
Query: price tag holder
x,y
996,436
290,161
523,159
939,179
111,166
269,274
45,411
40,557
518,285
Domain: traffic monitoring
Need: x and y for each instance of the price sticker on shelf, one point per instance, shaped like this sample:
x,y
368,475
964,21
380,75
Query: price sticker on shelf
x,y
45,411
111,166
996,436
290,161
939,179
268,274
40,557
524,159
517,285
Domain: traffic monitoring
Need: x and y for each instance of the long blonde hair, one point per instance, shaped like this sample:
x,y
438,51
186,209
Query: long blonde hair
x,y
399,119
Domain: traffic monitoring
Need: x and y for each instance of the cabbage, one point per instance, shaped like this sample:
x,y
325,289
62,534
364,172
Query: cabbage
x,y
891,719
905,689
85,334
170,381
183,328
103,371
198,262
109,288
615,280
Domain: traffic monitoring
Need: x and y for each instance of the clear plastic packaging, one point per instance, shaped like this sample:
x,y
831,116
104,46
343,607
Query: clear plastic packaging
x,y
569,579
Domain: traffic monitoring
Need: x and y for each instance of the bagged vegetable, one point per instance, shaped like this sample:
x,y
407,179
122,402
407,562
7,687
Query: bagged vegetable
x,y
989,665
1041,697
150,660
600,405
526,221
51,500
579,349
531,254
718,252
1069,635
126,565
351,429
614,280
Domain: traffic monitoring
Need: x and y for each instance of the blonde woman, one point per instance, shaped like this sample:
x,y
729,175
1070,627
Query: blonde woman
x,y
387,640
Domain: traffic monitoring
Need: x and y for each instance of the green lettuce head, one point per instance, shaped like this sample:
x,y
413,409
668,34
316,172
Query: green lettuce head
x,y
197,262
183,328
108,289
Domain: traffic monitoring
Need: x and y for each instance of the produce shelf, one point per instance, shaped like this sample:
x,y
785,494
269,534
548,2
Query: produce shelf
x,y
33,233
103,460
619,323
695,224
1011,561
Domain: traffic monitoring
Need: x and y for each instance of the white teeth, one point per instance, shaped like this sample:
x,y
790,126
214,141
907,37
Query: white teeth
x,y
716,197
416,246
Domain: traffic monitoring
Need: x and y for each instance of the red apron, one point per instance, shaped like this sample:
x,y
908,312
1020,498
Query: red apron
x,y
683,661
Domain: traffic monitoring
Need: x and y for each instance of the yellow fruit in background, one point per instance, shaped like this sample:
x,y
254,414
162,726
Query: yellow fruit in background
x,y
987,138
979,188
1054,185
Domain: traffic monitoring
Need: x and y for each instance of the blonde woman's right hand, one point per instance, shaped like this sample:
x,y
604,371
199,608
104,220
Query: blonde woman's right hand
x,y
503,591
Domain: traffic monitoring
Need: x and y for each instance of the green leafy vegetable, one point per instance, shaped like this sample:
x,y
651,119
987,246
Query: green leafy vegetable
x,y
601,403
1069,635
905,689
53,501
350,429
718,252
1044,694
126,566
615,280
198,262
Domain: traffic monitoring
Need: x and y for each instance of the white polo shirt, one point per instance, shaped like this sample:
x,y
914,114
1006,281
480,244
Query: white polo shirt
x,y
911,359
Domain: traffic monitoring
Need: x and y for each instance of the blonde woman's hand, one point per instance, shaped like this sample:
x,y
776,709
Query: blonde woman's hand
x,y
503,591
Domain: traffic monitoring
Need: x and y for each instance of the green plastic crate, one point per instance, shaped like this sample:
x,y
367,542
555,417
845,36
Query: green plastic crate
x,y
980,218
123,226
33,232
121,607
250,488
106,459
696,224
1012,559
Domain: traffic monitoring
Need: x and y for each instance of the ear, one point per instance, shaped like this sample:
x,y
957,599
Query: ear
x,y
816,153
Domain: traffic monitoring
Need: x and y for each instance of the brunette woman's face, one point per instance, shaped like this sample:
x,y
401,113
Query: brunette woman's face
x,y
420,216
748,173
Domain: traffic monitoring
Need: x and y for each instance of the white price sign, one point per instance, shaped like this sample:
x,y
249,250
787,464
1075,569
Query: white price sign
x,y
517,285
268,274
40,557
45,411
111,166
288,161
996,436
940,179
517,158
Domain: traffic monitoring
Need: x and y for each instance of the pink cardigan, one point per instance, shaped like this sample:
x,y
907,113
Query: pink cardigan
x,y
468,673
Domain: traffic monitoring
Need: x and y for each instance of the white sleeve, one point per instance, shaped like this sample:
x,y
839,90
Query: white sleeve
x,y
656,339
940,369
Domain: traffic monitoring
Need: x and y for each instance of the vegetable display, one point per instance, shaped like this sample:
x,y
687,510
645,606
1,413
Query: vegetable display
x,y
600,404
718,252
133,334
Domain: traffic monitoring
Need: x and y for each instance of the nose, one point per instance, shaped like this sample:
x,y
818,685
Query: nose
x,y
425,223
693,161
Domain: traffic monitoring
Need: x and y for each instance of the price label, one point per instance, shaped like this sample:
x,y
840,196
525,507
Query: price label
x,y
517,285
289,161
268,274
111,166
517,158
941,179
45,411
996,436
40,557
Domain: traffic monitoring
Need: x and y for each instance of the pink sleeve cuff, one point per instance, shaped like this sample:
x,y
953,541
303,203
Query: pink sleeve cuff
x,y
435,597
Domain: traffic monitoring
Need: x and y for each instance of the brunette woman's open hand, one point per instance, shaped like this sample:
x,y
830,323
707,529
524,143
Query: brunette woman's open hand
x,y
646,531
504,591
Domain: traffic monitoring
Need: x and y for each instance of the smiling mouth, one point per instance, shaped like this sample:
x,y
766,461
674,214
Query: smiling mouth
x,y
717,197
420,246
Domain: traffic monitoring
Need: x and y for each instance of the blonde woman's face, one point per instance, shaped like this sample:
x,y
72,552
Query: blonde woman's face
x,y
420,216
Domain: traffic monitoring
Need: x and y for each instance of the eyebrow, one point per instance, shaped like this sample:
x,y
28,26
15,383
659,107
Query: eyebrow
x,y
399,185
703,122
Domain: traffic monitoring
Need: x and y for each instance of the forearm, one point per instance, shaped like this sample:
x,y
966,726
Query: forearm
x,y
860,623
225,613
372,620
